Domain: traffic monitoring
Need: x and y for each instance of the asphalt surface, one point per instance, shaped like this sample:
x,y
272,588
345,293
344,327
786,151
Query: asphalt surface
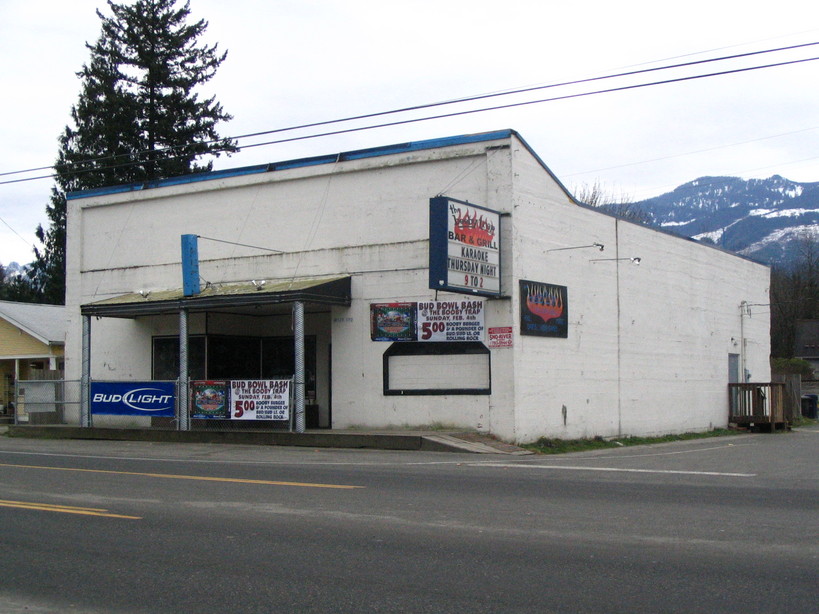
x,y
713,525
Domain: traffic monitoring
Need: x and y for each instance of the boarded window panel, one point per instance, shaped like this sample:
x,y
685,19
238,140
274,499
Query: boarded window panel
x,y
467,371
437,368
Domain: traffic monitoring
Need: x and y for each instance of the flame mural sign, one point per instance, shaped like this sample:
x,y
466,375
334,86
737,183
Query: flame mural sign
x,y
544,309
464,247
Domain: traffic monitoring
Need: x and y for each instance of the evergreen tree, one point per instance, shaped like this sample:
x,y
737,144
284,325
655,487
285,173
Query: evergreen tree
x,y
15,287
794,295
138,116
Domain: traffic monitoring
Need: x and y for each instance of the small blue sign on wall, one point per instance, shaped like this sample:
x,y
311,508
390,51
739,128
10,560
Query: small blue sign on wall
x,y
133,398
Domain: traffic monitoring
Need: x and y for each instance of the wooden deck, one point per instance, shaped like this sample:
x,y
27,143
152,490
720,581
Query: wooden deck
x,y
757,404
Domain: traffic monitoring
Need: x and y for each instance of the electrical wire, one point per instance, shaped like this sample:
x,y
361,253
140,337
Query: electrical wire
x,y
528,102
445,103
17,233
266,249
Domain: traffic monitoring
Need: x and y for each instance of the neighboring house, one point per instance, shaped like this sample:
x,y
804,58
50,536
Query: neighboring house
x,y
32,342
453,282
807,342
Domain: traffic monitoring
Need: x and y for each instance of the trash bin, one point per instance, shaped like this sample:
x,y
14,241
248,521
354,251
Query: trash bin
x,y
809,406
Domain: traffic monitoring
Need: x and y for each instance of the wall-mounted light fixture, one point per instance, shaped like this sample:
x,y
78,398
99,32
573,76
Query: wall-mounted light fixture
x,y
143,293
634,260
258,284
599,246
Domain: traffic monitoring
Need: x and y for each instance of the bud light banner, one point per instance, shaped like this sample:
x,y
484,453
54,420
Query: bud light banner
x,y
133,398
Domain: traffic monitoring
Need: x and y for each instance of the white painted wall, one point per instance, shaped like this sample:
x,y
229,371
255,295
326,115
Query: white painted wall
x,y
647,351
648,346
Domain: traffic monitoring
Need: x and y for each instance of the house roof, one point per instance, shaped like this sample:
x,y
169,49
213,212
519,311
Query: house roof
x,y
46,323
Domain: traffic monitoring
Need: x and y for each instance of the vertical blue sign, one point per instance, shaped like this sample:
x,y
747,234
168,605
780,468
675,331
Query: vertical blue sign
x,y
190,265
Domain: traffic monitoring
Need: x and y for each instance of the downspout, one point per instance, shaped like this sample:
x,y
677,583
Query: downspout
x,y
619,349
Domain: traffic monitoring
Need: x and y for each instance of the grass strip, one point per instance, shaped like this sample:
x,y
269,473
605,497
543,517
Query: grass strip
x,y
548,445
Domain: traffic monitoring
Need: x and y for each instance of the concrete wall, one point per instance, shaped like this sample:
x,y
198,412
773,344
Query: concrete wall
x,y
367,218
647,350
648,345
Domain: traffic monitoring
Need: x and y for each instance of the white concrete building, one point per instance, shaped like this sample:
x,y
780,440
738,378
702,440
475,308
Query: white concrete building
x,y
616,329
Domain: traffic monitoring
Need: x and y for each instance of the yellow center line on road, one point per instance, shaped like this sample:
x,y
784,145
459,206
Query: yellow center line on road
x,y
174,476
65,509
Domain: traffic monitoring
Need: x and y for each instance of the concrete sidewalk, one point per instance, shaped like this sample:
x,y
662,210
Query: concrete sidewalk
x,y
435,441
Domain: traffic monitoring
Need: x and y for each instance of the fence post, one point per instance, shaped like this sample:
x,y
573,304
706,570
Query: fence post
x,y
183,422
85,380
793,394
298,334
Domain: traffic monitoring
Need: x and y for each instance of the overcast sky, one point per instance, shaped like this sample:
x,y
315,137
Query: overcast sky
x,y
292,62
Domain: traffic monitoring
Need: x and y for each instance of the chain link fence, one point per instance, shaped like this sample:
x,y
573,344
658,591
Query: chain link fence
x,y
47,402
262,405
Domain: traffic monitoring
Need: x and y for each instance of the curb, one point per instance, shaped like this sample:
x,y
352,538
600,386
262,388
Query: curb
x,y
380,441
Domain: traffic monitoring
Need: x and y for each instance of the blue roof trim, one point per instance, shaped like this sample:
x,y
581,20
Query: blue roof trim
x,y
182,179
301,163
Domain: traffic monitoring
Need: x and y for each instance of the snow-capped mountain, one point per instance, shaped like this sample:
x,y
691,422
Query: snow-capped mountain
x,y
13,268
758,218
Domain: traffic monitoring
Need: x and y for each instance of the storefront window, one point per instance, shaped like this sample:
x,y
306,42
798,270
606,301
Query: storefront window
x,y
166,358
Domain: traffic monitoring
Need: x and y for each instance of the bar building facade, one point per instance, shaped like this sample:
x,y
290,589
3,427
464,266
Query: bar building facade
x,y
448,282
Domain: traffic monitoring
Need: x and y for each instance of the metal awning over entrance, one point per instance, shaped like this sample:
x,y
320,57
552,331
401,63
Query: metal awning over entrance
x,y
217,297
253,297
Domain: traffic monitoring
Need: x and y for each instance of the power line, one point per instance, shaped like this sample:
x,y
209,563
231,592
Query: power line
x,y
451,102
17,233
691,153
529,102
527,90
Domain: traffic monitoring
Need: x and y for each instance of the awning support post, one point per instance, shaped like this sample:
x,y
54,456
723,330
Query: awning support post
x,y
85,377
183,422
298,334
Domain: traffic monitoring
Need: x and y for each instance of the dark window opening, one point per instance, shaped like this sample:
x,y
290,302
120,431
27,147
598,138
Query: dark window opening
x,y
227,357
166,358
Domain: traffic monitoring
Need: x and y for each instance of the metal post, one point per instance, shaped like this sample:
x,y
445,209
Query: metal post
x,y
183,421
85,378
298,332
743,307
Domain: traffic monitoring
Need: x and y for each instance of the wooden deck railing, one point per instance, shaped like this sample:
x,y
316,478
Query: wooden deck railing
x,y
756,403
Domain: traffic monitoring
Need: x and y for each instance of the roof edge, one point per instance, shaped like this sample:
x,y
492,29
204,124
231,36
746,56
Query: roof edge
x,y
358,154
27,328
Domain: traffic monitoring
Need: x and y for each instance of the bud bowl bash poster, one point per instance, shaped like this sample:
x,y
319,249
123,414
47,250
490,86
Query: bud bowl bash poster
x,y
458,320
267,399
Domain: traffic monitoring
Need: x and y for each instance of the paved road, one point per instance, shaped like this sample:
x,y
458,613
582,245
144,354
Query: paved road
x,y
718,525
